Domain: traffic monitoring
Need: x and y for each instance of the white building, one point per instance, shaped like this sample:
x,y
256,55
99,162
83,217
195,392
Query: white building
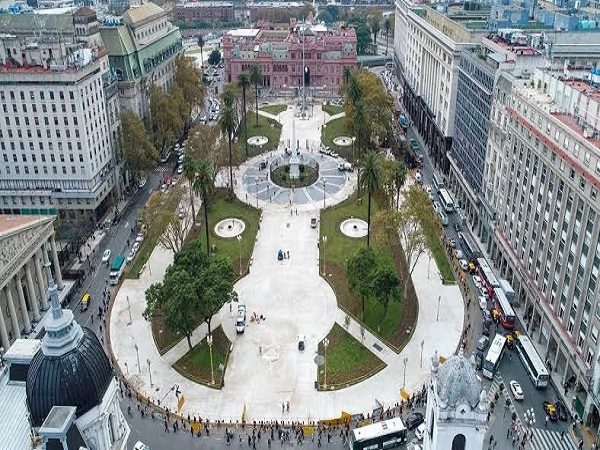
x,y
56,144
456,411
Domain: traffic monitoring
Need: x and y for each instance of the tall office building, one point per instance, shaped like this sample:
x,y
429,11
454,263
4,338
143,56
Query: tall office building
x,y
56,144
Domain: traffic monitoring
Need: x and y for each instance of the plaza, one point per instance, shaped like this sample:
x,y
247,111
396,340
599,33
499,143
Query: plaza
x,y
265,367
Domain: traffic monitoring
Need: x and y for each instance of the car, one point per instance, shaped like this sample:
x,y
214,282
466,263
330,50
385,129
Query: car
x,y
456,227
482,302
561,409
413,420
139,445
301,342
482,343
516,390
464,265
203,120
135,247
487,317
550,410
459,254
131,255
313,222
437,207
164,158
181,158
142,183
452,242
181,213
428,189
179,170
477,280
106,256
486,329
419,177
140,237
495,314
483,290
420,432
479,360
240,321
510,340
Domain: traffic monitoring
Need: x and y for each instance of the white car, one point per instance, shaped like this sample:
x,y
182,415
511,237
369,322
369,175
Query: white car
x,y
106,256
136,247
420,432
142,183
140,237
130,256
516,390
483,291
477,281
483,302
464,265
139,445
180,170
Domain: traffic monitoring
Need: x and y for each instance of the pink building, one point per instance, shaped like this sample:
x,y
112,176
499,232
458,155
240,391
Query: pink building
x,y
279,54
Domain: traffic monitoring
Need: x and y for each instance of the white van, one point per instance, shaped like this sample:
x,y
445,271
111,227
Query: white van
x,y
240,320
345,167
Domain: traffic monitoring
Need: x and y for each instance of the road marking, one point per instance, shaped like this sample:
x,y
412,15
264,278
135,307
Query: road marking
x,y
544,439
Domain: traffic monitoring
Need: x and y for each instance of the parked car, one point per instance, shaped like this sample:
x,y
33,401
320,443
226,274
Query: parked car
x,y
142,183
479,360
464,265
180,169
487,317
486,329
139,445
452,242
561,409
550,410
477,280
135,247
456,227
413,420
482,343
482,302
301,342
140,237
516,390
313,222
459,254
420,432
106,256
130,256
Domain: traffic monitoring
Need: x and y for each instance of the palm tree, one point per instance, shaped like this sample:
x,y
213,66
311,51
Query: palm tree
x,y
227,122
201,45
244,83
256,78
189,171
204,184
375,28
370,179
399,179
387,26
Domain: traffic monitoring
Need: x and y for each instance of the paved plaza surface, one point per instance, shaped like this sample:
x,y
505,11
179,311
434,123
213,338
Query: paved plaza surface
x,y
265,366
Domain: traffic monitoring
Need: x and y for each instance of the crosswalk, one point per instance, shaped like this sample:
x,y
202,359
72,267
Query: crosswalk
x,y
544,439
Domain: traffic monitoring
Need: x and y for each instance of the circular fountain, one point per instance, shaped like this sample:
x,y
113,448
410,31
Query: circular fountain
x,y
230,228
354,228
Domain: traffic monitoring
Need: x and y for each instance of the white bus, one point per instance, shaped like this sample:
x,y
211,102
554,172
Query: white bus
x,y
386,434
494,354
533,363
446,200
438,181
116,270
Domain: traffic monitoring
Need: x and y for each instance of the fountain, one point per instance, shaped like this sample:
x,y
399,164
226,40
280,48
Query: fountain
x,y
354,228
230,228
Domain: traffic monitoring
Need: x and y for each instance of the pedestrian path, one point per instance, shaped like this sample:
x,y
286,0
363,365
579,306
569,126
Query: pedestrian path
x,y
544,439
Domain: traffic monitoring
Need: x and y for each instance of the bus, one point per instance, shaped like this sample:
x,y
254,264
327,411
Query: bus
x,y
468,247
116,270
446,200
386,434
438,181
493,357
507,314
533,363
487,275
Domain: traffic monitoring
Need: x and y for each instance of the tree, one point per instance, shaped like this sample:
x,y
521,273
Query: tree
x,y
384,285
189,79
189,171
227,122
370,179
375,28
214,57
166,118
359,267
161,214
215,288
244,83
256,79
201,45
139,152
204,184
399,179
387,26
205,143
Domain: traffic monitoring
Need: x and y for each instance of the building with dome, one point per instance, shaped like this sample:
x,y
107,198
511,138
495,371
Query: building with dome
x,y
457,409
67,384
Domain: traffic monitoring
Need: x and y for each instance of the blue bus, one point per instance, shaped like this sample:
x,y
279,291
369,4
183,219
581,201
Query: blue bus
x,y
116,270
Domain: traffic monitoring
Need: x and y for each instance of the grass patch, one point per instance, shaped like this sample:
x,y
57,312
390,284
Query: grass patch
x,y
152,236
332,109
266,127
281,176
221,208
348,361
332,130
273,109
195,364
441,258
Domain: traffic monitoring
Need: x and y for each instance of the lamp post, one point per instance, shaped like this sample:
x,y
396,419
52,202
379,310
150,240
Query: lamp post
x,y
129,309
324,242
137,353
239,239
324,183
422,344
405,360
353,155
325,345
437,317
209,341
256,179
149,372
126,368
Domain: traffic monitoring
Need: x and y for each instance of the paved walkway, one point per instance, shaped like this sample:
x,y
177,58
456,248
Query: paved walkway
x,y
266,367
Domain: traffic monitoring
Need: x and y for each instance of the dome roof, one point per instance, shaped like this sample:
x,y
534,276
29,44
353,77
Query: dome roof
x,y
457,382
77,378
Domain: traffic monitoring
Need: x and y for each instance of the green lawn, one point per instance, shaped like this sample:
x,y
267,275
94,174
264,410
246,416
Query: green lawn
x,y
333,129
441,258
281,177
266,127
332,109
223,208
348,361
195,364
273,109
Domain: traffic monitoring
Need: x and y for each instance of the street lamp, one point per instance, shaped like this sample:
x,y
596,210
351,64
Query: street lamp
x,y
405,360
325,345
149,372
353,155
256,192
129,309
324,183
239,239
126,368
324,242
137,352
209,341
437,318
422,344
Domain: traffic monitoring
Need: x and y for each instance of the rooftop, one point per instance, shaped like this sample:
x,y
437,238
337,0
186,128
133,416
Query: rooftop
x,y
10,223
571,123
22,351
14,426
209,4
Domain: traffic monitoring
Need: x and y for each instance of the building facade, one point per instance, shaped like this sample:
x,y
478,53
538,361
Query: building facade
x,y
23,282
306,53
55,141
543,183
215,12
142,49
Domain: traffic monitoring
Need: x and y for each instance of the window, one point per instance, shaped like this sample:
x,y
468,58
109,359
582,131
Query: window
x,y
459,442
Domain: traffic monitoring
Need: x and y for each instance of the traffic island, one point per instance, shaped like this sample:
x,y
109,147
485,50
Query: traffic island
x,y
344,361
206,362
306,177
274,109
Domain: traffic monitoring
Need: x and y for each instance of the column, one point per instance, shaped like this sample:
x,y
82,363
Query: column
x,y
40,280
26,321
57,274
16,329
31,291
3,333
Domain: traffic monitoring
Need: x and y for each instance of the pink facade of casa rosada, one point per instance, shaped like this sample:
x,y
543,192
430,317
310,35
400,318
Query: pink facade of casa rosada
x,y
279,54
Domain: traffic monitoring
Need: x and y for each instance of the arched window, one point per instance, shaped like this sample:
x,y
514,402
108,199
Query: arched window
x,y
458,443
